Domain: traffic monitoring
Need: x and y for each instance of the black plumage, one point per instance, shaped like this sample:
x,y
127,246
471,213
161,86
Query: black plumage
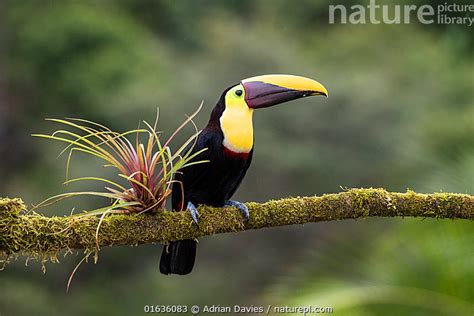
x,y
210,183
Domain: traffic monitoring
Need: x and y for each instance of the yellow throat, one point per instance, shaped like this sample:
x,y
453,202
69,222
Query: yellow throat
x,y
236,122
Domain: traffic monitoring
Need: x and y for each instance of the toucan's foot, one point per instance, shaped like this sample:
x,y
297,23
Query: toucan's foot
x,y
240,206
194,212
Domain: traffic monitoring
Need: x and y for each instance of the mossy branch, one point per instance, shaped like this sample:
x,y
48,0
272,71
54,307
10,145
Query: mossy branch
x,y
44,237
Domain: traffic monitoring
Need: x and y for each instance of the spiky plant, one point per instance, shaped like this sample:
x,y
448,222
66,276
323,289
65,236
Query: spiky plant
x,y
146,163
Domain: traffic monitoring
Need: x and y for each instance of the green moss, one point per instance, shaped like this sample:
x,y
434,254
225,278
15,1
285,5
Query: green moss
x,y
447,205
10,211
11,207
38,237
43,238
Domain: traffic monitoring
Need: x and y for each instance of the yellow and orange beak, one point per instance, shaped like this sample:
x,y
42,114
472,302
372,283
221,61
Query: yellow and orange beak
x,y
269,90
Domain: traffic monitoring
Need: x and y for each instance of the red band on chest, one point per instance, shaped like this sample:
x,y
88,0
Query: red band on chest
x,y
232,154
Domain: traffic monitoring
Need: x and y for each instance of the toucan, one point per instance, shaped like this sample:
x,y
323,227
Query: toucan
x,y
229,142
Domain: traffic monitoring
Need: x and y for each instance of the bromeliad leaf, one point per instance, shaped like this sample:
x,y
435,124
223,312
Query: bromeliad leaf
x,y
147,164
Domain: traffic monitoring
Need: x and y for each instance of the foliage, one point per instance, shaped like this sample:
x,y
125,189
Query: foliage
x,y
149,169
399,116
392,276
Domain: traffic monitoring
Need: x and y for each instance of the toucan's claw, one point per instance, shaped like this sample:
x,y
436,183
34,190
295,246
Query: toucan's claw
x,y
240,206
194,212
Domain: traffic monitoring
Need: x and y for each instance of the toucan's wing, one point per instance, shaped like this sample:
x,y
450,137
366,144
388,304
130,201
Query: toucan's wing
x,y
188,177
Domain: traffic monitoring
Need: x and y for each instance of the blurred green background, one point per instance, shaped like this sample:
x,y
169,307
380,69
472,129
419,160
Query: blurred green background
x,y
400,115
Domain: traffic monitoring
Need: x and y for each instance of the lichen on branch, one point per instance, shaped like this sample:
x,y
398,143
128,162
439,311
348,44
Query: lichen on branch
x,y
43,238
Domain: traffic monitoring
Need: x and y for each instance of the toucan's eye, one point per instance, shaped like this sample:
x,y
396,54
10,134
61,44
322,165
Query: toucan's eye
x,y
238,93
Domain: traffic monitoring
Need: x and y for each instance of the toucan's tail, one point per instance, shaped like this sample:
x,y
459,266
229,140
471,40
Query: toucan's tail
x,y
178,257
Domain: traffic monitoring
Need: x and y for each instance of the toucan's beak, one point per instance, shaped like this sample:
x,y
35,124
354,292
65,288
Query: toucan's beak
x,y
269,90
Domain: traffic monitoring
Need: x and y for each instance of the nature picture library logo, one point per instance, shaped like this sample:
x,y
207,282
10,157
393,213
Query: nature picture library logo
x,y
374,13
